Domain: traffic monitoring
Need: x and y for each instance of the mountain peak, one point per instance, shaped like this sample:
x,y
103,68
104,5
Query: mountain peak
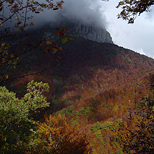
x,y
91,32
87,31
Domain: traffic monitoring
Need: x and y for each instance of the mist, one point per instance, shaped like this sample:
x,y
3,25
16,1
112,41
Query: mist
x,y
84,11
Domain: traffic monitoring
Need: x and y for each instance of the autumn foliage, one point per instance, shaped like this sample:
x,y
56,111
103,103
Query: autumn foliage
x,y
56,136
98,102
137,134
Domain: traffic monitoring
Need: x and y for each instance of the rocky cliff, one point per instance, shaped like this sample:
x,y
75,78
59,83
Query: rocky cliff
x,y
87,31
90,32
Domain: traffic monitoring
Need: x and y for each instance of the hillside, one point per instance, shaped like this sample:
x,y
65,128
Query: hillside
x,y
90,83
82,61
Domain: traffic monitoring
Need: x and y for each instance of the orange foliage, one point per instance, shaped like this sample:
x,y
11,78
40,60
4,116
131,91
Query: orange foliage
x,y
59,137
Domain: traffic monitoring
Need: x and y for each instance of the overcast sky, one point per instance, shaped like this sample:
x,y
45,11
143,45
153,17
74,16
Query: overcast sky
x,y
138,37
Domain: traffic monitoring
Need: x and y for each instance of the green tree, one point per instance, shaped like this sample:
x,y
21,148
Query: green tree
x,y
16,122
132,8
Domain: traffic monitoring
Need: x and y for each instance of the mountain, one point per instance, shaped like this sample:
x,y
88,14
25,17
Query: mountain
x,y
94,84
98,67
77,29
87,31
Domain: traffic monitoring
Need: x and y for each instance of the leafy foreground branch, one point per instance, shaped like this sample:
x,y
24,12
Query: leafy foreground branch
x,y
132,8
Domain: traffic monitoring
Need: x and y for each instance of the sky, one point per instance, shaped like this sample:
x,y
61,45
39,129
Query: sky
x,y
138,37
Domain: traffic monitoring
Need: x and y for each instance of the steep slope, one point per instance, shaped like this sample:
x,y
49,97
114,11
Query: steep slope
x,y
95,85
101,66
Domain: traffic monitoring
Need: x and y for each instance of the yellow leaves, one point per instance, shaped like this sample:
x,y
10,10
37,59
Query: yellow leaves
x,y
49,43
4,45
31,24
50,46
6,76
54,50
64,39
63,29
57,133
16,18
59,4
53,125
40,9
70,37
54,60
21,29
3,60
12,55
10,1
121,3
59,57
7,58
47,49
1,24
115,108
50,6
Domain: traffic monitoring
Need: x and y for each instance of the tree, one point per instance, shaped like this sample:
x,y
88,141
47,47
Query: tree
x,y
19,10
16,120
56,136
138,135
132,8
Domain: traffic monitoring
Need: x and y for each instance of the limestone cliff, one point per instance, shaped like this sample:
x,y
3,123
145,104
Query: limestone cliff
x,y
87,31
90,32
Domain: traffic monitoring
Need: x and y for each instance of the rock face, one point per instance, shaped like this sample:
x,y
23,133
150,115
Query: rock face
x,y
90,32
87,31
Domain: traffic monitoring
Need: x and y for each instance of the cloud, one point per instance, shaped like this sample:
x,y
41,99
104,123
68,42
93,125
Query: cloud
x,y
137,36
85,11
141,51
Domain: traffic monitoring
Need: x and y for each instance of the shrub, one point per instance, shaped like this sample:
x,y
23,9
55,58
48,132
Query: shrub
x,y
15,115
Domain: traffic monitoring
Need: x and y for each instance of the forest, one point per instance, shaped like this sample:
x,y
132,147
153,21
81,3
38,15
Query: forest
x,y
72,95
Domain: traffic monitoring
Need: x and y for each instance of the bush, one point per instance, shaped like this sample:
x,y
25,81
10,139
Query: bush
x,y
15,115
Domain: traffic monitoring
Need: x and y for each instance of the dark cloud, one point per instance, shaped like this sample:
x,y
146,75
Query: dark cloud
x,y
85,11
